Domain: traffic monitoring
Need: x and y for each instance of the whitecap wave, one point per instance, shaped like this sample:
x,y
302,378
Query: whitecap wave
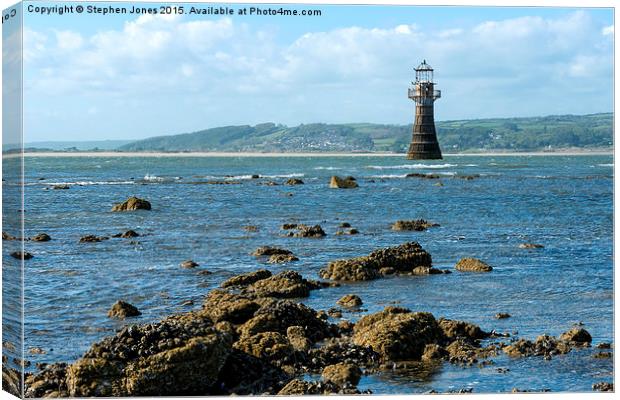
x,y
153,178
328,168
295,175
388,176
88,183
605,165
412,166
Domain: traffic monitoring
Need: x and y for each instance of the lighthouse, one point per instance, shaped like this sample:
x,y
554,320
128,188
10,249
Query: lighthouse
x,y
424,144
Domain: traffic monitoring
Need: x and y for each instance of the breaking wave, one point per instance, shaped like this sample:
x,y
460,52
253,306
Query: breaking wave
x,y
412,166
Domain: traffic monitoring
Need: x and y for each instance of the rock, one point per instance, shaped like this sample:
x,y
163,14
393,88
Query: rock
x,y
502,315
294,181
246,279
250,228
286,284
131,204
308,231
413,225
334,313
93,239
282,258
432,352
339,183
270,251
122,310
6,236
189,264
345,225
299,387
397,333
297,338
602,354
270,346
278,315
531,246
255,176
36,350
423,176
181,355
472,265
223,306
454,330
21,255
350,301
60,187
342,374
467,177
41,237
127,235
603,345
603,387
50,382
543,346
404,258
426,271
353,231
289,226
577,336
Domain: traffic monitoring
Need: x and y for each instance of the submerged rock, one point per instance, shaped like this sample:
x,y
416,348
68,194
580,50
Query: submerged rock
x,y
502,315
404,259
93,239
423,176
41,237
294,181
21,255
337,182
288,226
308,231
472,265
350,301
342,374
127,235
270,251
123,310
61,187
531,246
131,204
413,225
251,228
397,333
189,264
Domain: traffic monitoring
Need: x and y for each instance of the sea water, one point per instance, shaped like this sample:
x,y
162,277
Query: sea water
x,y
564,203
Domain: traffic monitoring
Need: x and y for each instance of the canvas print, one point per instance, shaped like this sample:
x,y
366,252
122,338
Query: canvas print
x,y
211,199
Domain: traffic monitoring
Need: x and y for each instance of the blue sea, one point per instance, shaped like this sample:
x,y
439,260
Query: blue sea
x,y
563,202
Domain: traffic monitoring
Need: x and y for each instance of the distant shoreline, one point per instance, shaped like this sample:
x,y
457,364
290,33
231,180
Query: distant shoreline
x,y
568,152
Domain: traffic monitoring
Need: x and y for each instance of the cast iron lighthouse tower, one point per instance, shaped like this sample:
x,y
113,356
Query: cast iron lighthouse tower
x,y
424,145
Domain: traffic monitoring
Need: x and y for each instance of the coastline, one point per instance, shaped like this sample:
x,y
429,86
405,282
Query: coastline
x,y
570,152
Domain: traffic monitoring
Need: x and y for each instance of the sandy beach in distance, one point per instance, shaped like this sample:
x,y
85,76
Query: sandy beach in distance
x,y
571,152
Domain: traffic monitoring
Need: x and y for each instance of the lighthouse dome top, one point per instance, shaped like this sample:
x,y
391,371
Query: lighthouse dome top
x,y
424,67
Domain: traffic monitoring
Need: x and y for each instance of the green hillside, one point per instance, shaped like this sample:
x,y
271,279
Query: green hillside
x,y
515,134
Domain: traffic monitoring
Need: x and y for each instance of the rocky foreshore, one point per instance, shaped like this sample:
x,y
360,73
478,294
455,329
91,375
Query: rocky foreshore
x,y
253,336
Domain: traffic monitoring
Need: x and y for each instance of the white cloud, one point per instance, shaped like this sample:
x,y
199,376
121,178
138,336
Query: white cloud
x,y
225,65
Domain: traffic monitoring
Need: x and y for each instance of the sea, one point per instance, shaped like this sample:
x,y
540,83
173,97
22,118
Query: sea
x,y
563,202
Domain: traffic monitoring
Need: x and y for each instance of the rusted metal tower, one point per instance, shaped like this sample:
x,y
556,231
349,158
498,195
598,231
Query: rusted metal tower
x,y
424,144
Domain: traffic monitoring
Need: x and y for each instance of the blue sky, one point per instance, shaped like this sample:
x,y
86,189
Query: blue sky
x,y
91,77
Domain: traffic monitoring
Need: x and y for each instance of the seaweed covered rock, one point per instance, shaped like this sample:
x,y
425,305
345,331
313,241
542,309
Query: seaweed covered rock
x,y
413,225
278,315
22,255
247,278
286,284
397,333
181,355
298,387
93,239
131,204
577,336
282,258
122,310
294,181
342,374
306,231
223,306
270,346
50,382
472,265
337,182
544,345
453,330
127,235
270,251
188,264
350,301
400,259
41,237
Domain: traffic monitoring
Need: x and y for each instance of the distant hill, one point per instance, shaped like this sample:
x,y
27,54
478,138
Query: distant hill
x,y
512,134
516,134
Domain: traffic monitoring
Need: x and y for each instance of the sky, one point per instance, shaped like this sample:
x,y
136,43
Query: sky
x,y
95,77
